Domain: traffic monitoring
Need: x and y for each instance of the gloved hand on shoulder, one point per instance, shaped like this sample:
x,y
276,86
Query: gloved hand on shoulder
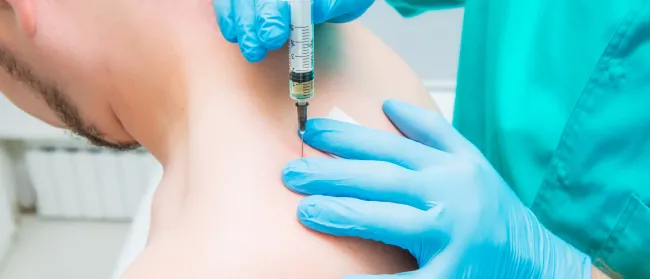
x,y
431,193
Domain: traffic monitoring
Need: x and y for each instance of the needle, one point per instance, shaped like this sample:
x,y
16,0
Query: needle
x,y
302,120
302,144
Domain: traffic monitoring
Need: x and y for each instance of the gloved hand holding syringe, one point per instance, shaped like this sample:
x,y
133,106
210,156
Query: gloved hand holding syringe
x,y
260,26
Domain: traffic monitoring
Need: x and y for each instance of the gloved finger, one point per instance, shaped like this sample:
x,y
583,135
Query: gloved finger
x,y
226,19
352,141
428,127
273,19
325,10
245,18
394,224
365,180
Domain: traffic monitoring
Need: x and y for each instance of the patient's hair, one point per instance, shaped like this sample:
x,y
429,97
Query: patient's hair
x,y
56,100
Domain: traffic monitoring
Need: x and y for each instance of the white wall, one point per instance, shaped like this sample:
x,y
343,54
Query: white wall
x,y
17,125
429,42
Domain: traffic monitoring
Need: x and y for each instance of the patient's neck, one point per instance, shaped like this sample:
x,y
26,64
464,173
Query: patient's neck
x,y
214,96
238,117
221,105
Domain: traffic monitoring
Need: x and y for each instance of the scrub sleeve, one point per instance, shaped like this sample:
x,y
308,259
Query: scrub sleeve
x,y
556,94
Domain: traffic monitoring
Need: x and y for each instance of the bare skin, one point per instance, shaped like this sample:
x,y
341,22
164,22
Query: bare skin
x,y
221,127
250,212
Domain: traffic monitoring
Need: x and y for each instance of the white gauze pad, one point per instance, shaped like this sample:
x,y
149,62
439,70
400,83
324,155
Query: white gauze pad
x,y
337,114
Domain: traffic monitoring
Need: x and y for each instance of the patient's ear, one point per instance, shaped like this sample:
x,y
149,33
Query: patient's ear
x,y
24,13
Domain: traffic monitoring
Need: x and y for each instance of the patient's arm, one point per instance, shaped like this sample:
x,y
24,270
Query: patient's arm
x,y
223,212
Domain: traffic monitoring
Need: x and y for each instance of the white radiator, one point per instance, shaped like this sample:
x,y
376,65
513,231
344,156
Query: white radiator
x,y
87,183
7,226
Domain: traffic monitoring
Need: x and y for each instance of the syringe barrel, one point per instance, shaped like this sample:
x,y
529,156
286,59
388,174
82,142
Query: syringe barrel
x,y
301,14
301,51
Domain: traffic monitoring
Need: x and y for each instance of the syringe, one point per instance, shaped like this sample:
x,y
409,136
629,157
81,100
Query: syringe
x,y
301,58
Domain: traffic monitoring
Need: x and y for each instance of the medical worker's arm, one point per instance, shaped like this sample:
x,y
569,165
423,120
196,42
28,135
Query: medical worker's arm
x,y
263,25
432,193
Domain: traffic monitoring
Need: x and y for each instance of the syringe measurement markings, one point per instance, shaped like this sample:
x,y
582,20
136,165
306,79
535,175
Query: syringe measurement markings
x,y
305,50
302,47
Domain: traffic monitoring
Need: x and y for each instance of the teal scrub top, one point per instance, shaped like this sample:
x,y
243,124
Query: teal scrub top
x,y
556,94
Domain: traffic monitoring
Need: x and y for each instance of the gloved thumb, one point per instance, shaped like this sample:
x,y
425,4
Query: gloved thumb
x,y
429,128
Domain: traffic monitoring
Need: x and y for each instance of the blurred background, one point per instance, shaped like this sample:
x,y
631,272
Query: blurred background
x,y
66,209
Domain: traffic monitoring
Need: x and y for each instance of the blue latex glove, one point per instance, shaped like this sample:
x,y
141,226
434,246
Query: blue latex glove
x,y
432,194
262,25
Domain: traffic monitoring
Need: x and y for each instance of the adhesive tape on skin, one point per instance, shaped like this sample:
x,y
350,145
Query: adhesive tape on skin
x,y
338,114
